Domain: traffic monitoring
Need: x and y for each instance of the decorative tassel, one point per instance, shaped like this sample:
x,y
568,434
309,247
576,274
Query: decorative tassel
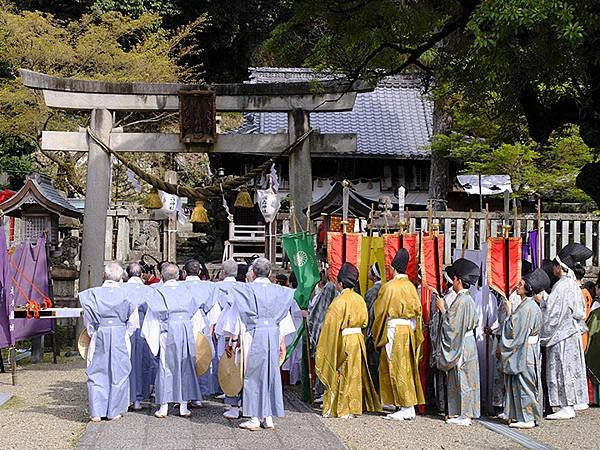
x,y
199,214
243,199
152,200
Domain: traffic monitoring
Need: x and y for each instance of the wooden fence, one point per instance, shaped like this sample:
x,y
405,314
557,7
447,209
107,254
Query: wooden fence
x,y
470,230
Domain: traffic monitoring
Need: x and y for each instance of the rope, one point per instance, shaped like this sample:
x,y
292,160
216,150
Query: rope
x,y
199,193
46,302
31,305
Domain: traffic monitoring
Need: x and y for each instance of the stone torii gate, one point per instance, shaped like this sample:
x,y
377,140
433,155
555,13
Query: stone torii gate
x,y
297,99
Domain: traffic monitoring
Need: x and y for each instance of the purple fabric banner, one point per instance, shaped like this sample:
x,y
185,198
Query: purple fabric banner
x,y
22,269
4,309
532,244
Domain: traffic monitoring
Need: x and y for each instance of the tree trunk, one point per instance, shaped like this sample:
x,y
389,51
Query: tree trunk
x,y
439,177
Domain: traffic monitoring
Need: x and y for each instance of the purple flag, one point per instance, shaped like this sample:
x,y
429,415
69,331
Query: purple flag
x,y
24,276
532,243
4,309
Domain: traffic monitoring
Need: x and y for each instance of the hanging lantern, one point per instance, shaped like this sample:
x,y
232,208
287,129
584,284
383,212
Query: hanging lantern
x,y
199,214
243,199
152,200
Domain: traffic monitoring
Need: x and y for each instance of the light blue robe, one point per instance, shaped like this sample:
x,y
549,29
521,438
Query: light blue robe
x,y
262,307
143,363
169,328
110,320
458,356
228,325
521,362
205,295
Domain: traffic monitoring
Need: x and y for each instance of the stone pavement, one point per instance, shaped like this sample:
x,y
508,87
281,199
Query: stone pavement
x,y
300,428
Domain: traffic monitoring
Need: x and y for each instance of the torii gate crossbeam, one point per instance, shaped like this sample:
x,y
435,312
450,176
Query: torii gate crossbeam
x,y
101,98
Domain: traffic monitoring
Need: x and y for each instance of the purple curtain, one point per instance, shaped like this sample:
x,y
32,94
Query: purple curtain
x,y
31,270
532,244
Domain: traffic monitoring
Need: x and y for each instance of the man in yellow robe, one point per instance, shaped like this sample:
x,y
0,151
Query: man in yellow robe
x,y
398,334
341,358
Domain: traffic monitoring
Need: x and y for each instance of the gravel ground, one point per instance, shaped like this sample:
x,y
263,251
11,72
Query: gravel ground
x,y
425,432
50,402
48,408
579,433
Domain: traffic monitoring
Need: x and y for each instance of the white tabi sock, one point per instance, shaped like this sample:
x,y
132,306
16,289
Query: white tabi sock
x,y
137,405
183,409
163,410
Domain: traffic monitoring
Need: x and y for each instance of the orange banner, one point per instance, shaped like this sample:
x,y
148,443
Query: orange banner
x,y
504,273
426,345
432,272
336,255
394,242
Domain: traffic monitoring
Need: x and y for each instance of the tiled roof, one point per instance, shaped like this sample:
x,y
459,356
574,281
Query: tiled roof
x,y
394,120
47,189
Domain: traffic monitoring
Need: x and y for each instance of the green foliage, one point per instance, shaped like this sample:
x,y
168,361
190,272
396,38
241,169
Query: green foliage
x,y
106,46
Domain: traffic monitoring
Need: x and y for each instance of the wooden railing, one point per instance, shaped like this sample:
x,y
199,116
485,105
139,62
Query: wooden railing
x,y
470,230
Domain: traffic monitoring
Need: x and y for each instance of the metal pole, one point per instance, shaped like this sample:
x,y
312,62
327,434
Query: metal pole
x,y
480,195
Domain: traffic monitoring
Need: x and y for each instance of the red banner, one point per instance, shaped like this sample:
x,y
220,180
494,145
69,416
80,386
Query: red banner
x,y
504,264
432,273
394,242
340,249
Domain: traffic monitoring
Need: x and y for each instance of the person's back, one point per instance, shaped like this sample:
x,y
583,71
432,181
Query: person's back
x,y
110,320
262,306
169,329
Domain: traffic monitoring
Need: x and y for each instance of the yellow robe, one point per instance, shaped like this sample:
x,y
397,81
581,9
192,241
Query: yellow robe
x,y
399,380
341,361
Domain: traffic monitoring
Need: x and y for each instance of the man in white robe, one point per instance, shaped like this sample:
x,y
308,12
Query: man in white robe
x,y
205,295
143,363
110,320
264,309
565,362
170,327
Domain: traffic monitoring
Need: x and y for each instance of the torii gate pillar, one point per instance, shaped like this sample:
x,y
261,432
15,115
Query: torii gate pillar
x,y
300,167
97,195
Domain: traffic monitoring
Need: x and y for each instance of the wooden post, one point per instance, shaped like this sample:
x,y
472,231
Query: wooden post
x,y
171,224
97,196
300,168
13,364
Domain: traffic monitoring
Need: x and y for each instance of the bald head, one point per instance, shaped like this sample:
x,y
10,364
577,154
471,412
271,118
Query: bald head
x,y
169,272
113,271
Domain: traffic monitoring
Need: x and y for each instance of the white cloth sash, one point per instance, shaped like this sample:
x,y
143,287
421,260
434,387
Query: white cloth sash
x,y
348,331
392,323
533,339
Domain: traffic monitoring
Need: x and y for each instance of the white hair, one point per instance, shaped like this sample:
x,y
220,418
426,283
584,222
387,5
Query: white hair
x,y
261,267
230,267
113,271
169,271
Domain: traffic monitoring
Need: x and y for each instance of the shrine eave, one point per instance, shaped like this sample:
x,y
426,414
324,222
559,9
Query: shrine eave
x,y
46,197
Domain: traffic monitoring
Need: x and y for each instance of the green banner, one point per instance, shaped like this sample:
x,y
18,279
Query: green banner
x,y
300,249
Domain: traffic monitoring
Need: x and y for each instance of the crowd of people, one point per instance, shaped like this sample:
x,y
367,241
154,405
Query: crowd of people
x,y
149,335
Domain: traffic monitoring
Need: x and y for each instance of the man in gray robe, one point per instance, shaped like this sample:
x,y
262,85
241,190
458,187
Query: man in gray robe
x,y
565,361
370,297
206,297
520,353
458,351
262,307
170,327
110,320
143,363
